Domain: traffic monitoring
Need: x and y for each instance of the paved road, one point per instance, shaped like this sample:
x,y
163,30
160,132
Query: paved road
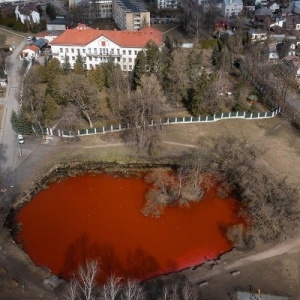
x,y
9,150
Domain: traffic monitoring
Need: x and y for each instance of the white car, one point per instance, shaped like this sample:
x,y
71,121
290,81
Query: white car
x,y
29,39
21,139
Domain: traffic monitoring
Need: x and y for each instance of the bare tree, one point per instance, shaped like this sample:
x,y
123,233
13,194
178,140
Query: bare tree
x,y
71,290
145,107
87,276
132,291
111,289
78,90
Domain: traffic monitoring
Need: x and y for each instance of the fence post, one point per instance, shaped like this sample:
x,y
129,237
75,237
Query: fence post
x,y
273,113
244,114
127,125
119,126
206,118
266,114
176,120
111,128
95,131
221,115
230,114
62,133
58,132
251,115
152,122
199,119
47,131
86,132
214,117
51,131
168,120
78,132
103,129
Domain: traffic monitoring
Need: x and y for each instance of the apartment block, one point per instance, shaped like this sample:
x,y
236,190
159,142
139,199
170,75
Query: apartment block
x,y
129,15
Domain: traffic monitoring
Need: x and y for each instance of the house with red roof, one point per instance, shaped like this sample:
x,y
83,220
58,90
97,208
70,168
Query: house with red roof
x,y
30,52
99,46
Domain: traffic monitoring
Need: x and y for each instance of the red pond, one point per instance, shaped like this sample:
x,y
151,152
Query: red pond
x,y
99,217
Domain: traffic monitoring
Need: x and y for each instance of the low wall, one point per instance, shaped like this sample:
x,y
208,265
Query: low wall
x,y
168,121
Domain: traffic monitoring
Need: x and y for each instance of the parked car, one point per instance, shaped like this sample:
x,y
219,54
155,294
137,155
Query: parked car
x,y
21,139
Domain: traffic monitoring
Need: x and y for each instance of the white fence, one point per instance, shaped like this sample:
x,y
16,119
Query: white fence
x,y
167,121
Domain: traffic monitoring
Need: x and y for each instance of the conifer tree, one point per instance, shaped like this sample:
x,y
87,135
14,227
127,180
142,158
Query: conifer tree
x,y
79,64
139,69
215,56
66,64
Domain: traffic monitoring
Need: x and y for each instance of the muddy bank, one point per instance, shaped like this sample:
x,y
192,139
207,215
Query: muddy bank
x,y
61,171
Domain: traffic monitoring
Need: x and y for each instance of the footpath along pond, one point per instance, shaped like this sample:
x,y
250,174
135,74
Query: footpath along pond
x,y
98,216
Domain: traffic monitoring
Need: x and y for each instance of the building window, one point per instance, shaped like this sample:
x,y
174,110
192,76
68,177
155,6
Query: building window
x,y
130,67
96,58
124,52
124,59
62,57
118,50
130,59
135,52
72,50
61,50
73,57
124,67
129,52
103,44
83,50
89,50
67,50
90,58
95,50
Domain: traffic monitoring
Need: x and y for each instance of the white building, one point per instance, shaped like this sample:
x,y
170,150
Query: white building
x,y
99,46
231,7
27,13
166,4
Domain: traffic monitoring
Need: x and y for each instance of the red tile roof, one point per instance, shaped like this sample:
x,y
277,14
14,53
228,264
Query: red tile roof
x,y
83,35
32,48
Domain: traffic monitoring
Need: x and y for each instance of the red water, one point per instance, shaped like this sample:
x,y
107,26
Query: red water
x,y
98,217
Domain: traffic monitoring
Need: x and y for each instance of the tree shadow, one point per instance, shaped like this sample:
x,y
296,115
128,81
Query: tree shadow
x,y
138,263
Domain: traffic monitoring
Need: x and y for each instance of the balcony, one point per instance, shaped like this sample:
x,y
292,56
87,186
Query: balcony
x,y
103,55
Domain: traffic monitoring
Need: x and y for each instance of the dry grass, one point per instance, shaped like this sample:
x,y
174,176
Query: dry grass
x,y
12,37
1,114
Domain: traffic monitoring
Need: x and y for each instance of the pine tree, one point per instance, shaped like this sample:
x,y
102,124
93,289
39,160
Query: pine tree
x,y
25,126
97,76
215,56
67,65
152,58
79,64
198,94
139,69
14,121
20,122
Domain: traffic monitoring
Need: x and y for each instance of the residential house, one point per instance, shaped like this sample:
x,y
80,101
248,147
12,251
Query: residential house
x,y
231,7
272,52
293,62
293,22
166,4
30,52
222,25
27,13
296,7
257,35
273,6
100,46
129,15
91,10
250,5
59,23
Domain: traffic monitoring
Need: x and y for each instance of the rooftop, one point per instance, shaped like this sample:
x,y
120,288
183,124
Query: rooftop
x,y
83,35
132,6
